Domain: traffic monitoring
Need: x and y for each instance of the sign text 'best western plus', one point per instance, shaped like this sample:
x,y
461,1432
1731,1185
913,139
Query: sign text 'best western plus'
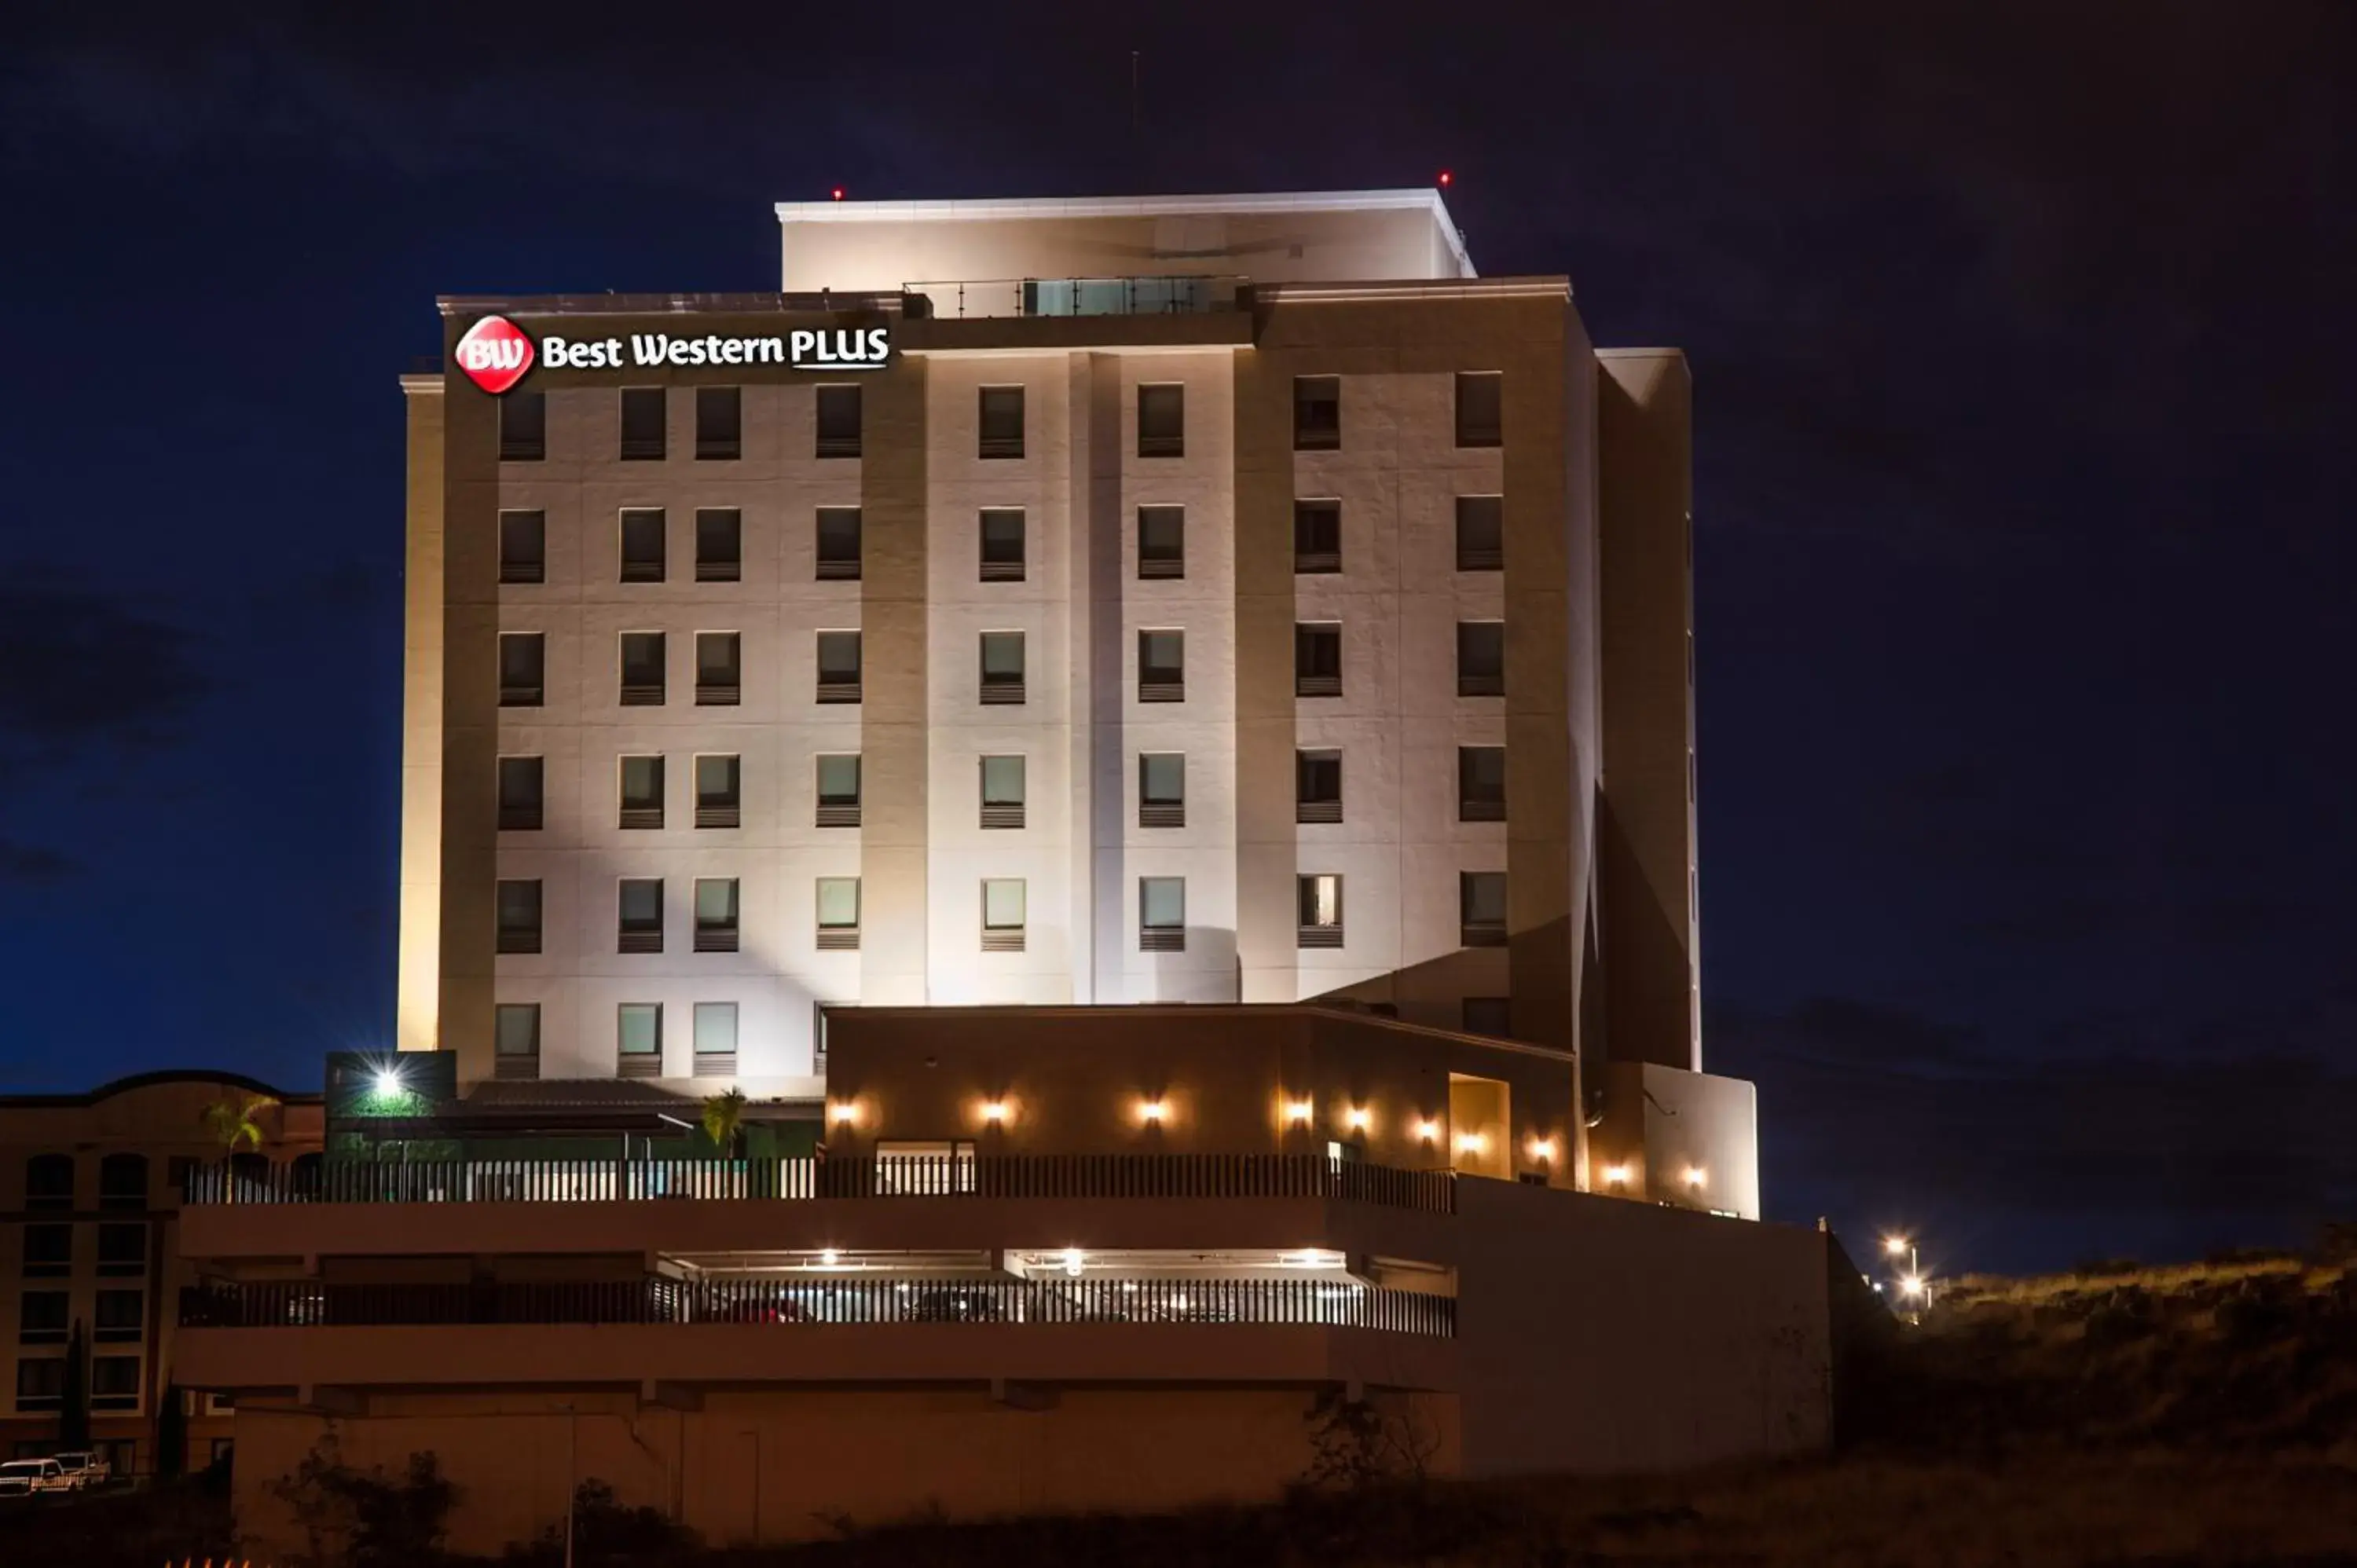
x,y
495,353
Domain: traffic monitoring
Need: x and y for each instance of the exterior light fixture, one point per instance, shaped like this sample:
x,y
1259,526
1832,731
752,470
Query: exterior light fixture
x,y
1427,1130
993,1111
1298,1111
1357,1117
1469,1143
845,1113
1696,1177
1911,1287
1542,1148
1894,1245
1073,1259
1616,1175
828,1257
1150,1111
388,1080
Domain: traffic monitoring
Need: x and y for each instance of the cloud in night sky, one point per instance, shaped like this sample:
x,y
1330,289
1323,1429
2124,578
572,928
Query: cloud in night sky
x,y
87,671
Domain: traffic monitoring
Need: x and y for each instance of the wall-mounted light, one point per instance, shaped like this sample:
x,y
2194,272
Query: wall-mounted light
x,y
1074,1260
1616,1175
843,1112
1298,1111
1696,1177
388,1080
828,1257
993,1111
1427,1129
1357,1117
1150,1111
1471,1143
1543,1148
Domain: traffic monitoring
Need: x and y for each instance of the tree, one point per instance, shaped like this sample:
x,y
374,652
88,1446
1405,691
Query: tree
x,y
73,1412
231,1121
722,1113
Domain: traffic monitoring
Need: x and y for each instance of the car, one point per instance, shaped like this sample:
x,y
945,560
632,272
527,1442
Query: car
x,y
22,1477
954,1306
84,1468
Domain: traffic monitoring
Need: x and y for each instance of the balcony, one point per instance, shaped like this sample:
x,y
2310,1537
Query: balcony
x,y
1002,297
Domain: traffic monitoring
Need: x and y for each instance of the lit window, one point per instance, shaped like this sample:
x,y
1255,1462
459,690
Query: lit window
x,y
1002,791
715,914
1321,897
838,913
716,1038
1002,912
1161,914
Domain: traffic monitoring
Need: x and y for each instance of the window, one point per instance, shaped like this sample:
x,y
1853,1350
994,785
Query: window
x,y
1317,536
1481,908
1002,422
1001,544
716,1039
524,428
41,1385
1318,659
1002,791
642,544
1480,399
638,907
642,668
720,670
515,1039
715,914
523,663
523,547
641,791
1489,1016
638,1040
642,424
1481,534
1161,914
1162,790
114,1382
838,914
1002,914
838,544
41,1317
122,1181
838,792
50,1181
521,794
718,791
719,544
1161,666
123,1249
1161,542
1002,667
1321,910
1316,413
1317,786
838,422
719,423
1481,658
1481,783
838,667
1162,420
519,916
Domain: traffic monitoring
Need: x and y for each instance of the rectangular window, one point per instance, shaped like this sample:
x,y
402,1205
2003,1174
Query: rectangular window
x,y
838,667
521,794
642,425
1318,659
1161,914
644,676
122,1181
121,1315
1481,908
524,428
638,1040
523,547
838,422
838,792
642,544
1162,420
638,908
716,1039
719,423
1003,900
523,667
123,1249
642,791
1481,783
719,782
1161,542
519,916
1317,786
719,544
715,914
1001,544
838,914
1162,666
1162,790
1002,422
41,1385
1321,910
1481,534
719,669
1481,658
50,1181
838,544
1480,403
41,1317
515,1040
1316,413
1317,536
1002,791
1490,1015
1002,667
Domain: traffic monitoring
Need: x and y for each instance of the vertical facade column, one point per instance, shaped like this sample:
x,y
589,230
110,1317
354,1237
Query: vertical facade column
x,y
894,757
1093,554
418,986
1266,854
470,721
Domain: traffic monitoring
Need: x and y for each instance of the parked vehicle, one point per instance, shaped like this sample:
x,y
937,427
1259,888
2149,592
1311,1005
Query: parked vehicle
x,y
22,1477
954,1306
84,1468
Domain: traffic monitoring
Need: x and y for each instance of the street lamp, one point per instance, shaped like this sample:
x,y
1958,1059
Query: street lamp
x,y
1912,1284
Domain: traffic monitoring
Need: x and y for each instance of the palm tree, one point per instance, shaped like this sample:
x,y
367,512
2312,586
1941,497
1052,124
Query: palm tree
x,y
231,1121
722,1113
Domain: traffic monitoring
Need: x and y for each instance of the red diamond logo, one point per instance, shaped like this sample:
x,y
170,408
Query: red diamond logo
x,y
495,354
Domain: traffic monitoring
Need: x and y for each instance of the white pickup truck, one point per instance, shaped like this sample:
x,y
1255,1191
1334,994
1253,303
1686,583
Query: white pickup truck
x,y
84,1468
22,1477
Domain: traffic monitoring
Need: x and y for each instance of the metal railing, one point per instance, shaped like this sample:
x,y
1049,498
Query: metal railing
x,y
305,1303
1150,295
892,1175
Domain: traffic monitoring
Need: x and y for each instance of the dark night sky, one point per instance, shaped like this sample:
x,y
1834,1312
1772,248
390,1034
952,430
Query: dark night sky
x,y
2020,337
